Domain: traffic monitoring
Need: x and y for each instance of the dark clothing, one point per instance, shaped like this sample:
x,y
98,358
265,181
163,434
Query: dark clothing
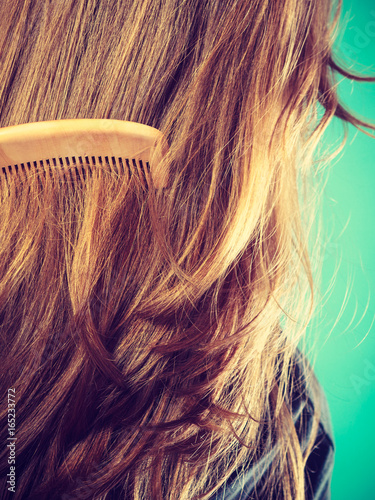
x,y
318,471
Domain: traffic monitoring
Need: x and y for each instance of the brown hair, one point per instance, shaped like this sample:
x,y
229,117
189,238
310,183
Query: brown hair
x,y
141,330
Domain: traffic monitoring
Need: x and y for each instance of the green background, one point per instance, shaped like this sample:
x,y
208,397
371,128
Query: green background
x,y
345,318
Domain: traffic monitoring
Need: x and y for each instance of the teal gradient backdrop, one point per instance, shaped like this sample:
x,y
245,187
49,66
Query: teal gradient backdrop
x,y
346,360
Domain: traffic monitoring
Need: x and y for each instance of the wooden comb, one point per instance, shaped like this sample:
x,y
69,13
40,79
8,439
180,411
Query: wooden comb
x,y
128,148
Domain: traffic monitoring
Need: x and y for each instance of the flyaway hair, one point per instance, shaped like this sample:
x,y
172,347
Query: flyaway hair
x,y
150,335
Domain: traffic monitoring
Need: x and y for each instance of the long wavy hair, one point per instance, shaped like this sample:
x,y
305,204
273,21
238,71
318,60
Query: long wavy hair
x,y
149,335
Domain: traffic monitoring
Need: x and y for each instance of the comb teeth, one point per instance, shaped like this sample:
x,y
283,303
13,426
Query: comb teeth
x,y
81,167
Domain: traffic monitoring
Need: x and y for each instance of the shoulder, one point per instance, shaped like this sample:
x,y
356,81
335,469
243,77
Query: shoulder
x,y
307,398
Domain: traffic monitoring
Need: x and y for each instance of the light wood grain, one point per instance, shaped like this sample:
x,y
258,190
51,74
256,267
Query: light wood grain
x,y
84,137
